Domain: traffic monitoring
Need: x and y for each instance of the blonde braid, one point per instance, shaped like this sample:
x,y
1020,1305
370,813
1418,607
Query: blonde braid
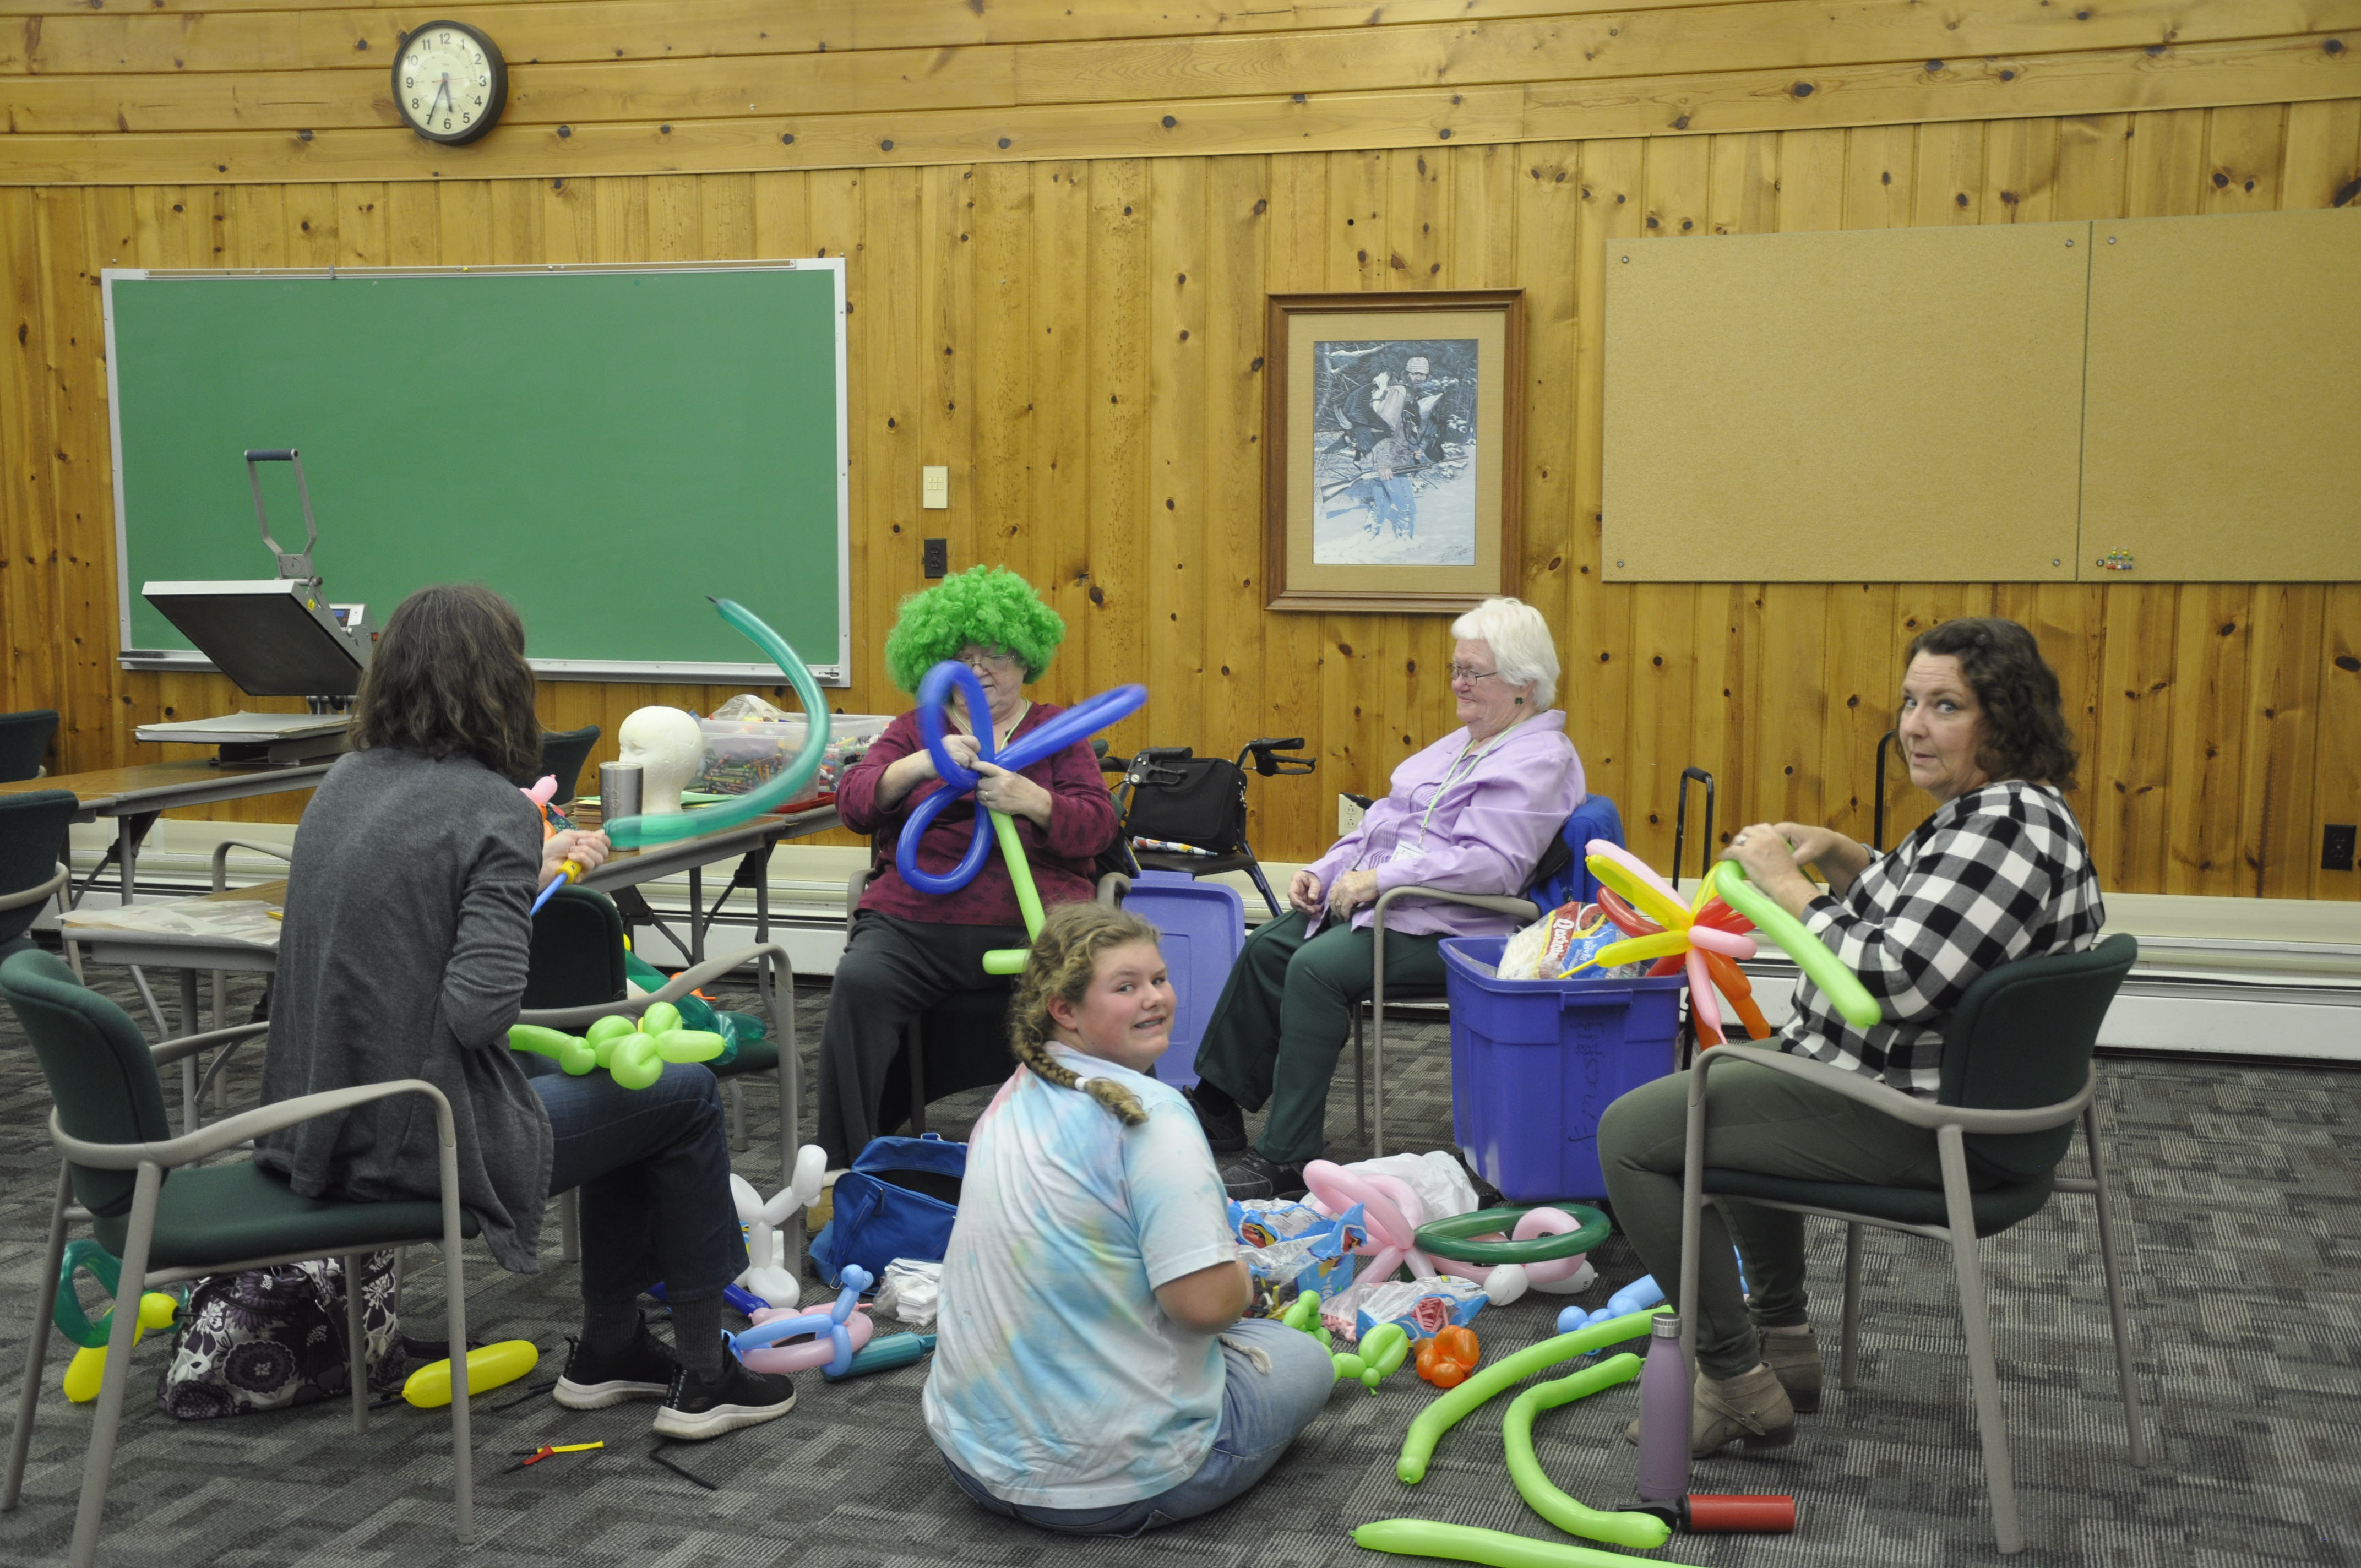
x,y
1063,959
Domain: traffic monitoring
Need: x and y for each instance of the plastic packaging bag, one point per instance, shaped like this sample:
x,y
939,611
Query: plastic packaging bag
x,y
1290,1247
911,1291
1422,1307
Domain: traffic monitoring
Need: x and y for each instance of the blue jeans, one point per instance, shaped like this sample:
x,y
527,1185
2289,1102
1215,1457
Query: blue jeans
x,y
654,1168
1261,1413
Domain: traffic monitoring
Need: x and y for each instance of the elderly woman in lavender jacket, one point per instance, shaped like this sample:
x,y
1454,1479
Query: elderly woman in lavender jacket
x,y
1470,813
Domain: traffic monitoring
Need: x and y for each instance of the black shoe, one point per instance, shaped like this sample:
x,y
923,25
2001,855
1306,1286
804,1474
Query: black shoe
x,y
592,1381
1252,1176
695,1408
1226,1132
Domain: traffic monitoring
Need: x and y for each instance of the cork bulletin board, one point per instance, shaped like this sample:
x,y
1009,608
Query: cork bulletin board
x,y
1884,405
2224,398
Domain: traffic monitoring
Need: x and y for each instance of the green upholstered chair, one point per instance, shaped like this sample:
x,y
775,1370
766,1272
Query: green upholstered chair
x,y
563,752
169,1219
32,840
24,740
576,975
2018,1074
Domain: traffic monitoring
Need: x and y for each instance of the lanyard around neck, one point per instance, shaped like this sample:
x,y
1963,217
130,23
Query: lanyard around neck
x,y
1452,775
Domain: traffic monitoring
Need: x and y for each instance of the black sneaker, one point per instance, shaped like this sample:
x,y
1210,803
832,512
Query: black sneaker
x,y
1252,1176
695,1408
640,1370
1225,1133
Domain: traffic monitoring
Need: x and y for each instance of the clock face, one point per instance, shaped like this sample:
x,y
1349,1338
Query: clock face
x,y
449,83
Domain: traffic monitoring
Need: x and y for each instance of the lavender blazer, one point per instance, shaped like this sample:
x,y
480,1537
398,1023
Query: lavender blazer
x,y
1490,825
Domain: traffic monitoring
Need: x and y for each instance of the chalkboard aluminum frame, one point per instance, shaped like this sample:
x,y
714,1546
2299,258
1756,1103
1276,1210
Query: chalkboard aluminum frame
x,y
839,673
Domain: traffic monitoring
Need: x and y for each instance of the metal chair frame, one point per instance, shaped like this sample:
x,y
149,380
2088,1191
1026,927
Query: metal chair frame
x,y
1950,1125
151,1161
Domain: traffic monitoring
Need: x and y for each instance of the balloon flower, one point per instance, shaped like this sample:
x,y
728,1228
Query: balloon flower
x,y
1081,720
1706,938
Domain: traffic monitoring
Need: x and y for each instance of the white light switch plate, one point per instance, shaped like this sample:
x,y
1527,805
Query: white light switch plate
x,y
935,489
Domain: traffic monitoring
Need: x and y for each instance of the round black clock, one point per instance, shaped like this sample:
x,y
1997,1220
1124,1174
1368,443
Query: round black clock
x,y
449,83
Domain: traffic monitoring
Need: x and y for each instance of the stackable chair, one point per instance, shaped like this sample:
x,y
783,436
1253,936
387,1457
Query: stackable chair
x,y
2018,1074
1558,876
574,977
169,1220
563,752
32,836
24,742
959,1043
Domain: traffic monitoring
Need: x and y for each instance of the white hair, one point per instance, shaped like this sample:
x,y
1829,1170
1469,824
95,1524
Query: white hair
x,y
1522,649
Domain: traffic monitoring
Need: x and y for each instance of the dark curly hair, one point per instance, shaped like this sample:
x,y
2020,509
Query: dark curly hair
x,y
448,679
2024,731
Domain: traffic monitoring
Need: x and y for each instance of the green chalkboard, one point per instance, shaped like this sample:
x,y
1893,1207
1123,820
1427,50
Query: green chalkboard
x,y
605,446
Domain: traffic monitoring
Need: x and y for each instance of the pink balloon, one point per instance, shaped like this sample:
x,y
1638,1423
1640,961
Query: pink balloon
x,y
1392,1232
1549,1223
817,1351
1703,1003
1731,944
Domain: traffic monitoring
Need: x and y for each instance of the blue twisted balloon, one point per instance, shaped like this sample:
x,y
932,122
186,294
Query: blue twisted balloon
x,y
1076,723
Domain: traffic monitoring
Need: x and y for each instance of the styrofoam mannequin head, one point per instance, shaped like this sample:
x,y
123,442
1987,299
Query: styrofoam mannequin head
x,y
669,749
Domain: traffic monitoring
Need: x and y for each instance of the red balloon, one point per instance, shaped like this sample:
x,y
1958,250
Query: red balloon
x,y
1627,920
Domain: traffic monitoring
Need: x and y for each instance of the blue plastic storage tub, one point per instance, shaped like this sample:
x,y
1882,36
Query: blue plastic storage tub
x,y
1536,1062
1204,926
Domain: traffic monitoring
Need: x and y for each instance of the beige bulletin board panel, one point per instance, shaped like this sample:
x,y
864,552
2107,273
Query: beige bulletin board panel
x,y
2224,398
1893,405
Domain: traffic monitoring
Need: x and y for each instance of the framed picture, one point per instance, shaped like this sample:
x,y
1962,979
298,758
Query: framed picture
x,y
1393,431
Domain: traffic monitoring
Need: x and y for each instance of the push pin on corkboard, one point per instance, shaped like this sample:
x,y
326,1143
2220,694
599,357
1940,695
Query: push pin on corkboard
x,y
2115,561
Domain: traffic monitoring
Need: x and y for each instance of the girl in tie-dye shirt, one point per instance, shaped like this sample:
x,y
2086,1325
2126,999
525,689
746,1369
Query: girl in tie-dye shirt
x,y
1093,1375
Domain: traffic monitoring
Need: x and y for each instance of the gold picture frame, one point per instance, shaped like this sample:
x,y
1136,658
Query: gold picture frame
x,y
1393,440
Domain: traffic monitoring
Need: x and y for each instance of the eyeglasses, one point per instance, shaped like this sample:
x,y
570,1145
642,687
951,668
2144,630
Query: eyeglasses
x,y
981,658
1462,672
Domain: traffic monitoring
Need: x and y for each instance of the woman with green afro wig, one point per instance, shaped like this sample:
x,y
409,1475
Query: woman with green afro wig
x,y
990,607
907,950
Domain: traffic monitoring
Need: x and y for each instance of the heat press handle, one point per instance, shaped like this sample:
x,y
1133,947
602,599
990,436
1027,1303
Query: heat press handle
x,y
276,454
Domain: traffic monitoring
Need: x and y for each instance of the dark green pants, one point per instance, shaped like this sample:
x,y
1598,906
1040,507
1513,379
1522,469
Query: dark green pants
x,y
1759,1121
1284,1017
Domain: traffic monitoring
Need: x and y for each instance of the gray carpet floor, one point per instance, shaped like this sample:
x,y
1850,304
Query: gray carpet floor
x,y
2245,1242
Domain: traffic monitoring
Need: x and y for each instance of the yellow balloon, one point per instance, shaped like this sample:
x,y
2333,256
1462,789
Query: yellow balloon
x,y
1634,949
1645,897
86,1373
488,1366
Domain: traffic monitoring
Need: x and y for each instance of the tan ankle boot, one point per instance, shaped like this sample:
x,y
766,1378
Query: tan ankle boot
x,y
1751,1406
1793,1355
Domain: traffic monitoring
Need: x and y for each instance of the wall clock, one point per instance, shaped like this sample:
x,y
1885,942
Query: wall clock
x,y
449,83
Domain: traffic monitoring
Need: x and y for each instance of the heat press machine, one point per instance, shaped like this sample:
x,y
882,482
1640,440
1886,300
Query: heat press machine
x,y
275,637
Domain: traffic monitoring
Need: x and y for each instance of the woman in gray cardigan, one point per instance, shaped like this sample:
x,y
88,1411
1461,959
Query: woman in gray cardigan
x,y
404,955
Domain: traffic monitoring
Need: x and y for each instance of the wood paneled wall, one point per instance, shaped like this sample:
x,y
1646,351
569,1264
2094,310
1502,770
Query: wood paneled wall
x,y
1080,341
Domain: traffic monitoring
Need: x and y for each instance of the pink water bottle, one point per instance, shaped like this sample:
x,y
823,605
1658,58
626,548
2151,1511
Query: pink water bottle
x,y
1665,1416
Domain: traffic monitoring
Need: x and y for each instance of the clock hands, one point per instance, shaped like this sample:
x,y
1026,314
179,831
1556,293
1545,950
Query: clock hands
x,y
444,91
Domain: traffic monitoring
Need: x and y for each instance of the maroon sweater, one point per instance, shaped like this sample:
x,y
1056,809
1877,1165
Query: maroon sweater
x,y
1081,824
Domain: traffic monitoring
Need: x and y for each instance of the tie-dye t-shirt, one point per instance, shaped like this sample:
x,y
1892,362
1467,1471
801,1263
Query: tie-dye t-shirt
x,y
1058,1381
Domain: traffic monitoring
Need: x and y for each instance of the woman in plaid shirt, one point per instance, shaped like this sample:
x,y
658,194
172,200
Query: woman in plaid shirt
x,y
2000,872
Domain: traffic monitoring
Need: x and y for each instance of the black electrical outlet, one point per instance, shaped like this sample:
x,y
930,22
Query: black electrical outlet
x,y
939,557
2336,846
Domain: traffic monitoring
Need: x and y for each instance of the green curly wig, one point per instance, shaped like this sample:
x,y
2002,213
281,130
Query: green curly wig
x,y
989,606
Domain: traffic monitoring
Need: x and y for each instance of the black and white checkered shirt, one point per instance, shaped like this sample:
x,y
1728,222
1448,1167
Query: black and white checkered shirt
x,y
2000,873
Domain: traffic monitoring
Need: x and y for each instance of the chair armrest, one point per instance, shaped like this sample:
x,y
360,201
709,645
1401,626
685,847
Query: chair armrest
x,y
37,893
1114,888
1891,1101
1522,908
855,886
231,1131
680,985
174,1049
221,858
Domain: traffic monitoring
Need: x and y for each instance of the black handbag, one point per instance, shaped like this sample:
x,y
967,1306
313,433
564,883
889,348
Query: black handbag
x,y
1205,806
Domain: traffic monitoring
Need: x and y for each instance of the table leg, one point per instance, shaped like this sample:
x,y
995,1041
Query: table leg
x,y
190,1024
697,915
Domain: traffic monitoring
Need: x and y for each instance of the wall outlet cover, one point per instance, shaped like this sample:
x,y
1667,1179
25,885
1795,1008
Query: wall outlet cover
x,y
937,557
2336,846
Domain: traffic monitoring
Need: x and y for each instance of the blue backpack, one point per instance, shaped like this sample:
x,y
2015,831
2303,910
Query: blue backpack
x,y
1562,877
898,1200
